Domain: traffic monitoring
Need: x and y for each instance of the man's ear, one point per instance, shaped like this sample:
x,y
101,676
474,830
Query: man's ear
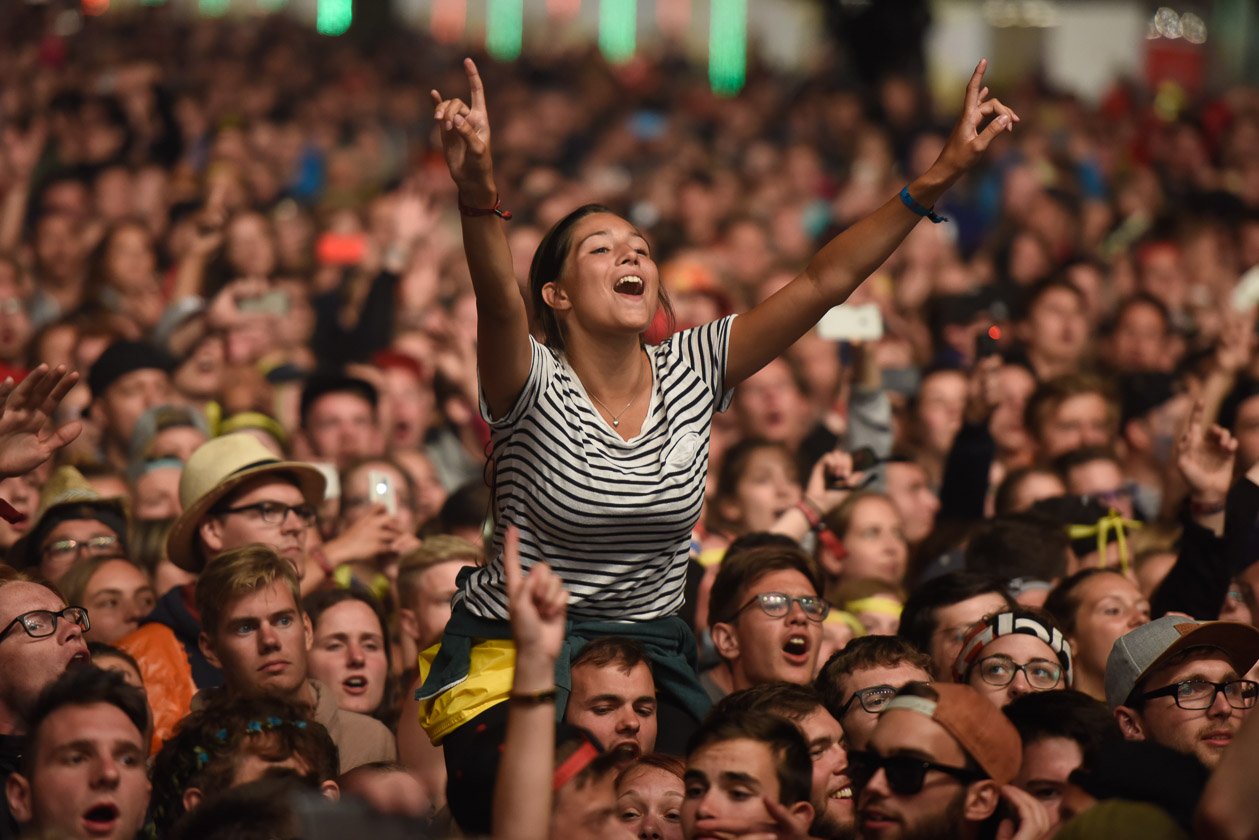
x,y
211,532
555,297
802,815
1131,725
18,792
725,640
192,798
207,650
330,791
982,799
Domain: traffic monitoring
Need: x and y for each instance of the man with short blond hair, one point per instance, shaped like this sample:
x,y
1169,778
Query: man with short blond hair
x,y
254,629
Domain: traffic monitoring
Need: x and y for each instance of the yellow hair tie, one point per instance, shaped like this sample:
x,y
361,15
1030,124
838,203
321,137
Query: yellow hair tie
x,y
1111,521
877,604
710,557
253,420
343,577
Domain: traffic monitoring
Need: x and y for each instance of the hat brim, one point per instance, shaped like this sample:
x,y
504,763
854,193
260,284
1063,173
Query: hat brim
x,y
181,544
1238,642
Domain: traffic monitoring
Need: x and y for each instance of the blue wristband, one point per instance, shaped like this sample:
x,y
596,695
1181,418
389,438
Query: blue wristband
x,y
908,201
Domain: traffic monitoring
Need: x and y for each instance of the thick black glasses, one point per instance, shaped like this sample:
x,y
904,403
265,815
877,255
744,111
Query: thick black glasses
x,y
39,624
274,513
999,670
905,773
1196,695
778,604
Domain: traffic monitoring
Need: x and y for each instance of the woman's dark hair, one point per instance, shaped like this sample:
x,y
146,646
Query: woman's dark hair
x,y
548,266
321,600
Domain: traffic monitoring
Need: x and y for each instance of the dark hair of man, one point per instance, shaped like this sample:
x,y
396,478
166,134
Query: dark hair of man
x,y
1063,603
783,738
758,539
259,810
86,686
1007,491
1054,392
1063,714
1018,545
1066,462
918,619
787,700
204,751
104,649
740,572
860,654
1043,287
1135,300
625,653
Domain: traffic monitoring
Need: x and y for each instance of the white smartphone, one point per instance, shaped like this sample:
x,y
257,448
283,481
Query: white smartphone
x,y
380,491
852,323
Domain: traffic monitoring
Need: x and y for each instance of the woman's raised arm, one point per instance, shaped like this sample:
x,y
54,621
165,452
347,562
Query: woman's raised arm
x,y
503,356
763,333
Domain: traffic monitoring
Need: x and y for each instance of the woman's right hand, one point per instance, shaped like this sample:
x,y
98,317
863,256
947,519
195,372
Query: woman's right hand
x,y
465,132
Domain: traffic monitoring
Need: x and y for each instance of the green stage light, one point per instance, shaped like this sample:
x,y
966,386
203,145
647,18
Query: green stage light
x,y
727,46
504,29
333,17
618,35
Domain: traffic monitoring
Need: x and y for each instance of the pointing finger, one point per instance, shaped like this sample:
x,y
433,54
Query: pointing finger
x,y
973,86
474,81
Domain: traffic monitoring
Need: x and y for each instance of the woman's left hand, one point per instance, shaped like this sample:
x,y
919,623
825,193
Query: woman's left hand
x,y
967,144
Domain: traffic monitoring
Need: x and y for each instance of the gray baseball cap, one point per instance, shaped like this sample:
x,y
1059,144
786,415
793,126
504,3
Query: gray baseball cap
x,y
1144,649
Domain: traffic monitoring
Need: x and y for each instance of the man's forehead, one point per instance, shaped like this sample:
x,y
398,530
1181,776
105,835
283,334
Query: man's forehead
x,y
895,676
103,722
788,581
278,487
593,676
265,600
23,596
1211,662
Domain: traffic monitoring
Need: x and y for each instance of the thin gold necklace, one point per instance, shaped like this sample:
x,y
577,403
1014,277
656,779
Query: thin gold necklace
x,y
616,416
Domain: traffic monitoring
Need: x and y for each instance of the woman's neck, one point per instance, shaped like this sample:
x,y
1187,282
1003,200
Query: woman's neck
x,y
610,370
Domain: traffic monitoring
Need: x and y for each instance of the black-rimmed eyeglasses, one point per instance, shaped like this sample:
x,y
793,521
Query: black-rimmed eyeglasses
x,y
39,624
274,513
1196,695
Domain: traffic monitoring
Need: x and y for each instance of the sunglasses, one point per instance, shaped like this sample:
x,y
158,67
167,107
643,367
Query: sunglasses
x,y
905,773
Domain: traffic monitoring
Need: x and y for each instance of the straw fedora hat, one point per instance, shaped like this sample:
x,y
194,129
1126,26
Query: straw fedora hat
x,y
216,469
67,488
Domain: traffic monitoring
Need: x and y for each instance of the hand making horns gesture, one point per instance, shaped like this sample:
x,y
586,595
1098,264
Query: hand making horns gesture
x,y
465,132
967,143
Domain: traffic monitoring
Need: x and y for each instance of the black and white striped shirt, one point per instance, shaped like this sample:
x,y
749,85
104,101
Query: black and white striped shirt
x,y
612,517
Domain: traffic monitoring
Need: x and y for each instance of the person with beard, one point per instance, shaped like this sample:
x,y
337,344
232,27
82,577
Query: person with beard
x,y
1178,682
833,817
939,765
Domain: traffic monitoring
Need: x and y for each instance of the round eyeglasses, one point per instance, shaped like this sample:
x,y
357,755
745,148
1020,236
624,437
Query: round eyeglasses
x,y
1000,671
778,604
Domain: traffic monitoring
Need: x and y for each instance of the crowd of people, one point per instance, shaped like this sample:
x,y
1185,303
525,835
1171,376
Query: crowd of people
x,y
368,470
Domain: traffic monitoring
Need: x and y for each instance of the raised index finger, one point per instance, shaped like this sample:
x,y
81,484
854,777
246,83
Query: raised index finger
x,y
975,83
474,82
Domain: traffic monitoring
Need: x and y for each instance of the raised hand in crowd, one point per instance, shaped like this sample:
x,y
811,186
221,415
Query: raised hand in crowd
x,y
1205,457
27,436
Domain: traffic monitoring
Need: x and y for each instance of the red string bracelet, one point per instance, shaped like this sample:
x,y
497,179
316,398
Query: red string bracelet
x,y
496,210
